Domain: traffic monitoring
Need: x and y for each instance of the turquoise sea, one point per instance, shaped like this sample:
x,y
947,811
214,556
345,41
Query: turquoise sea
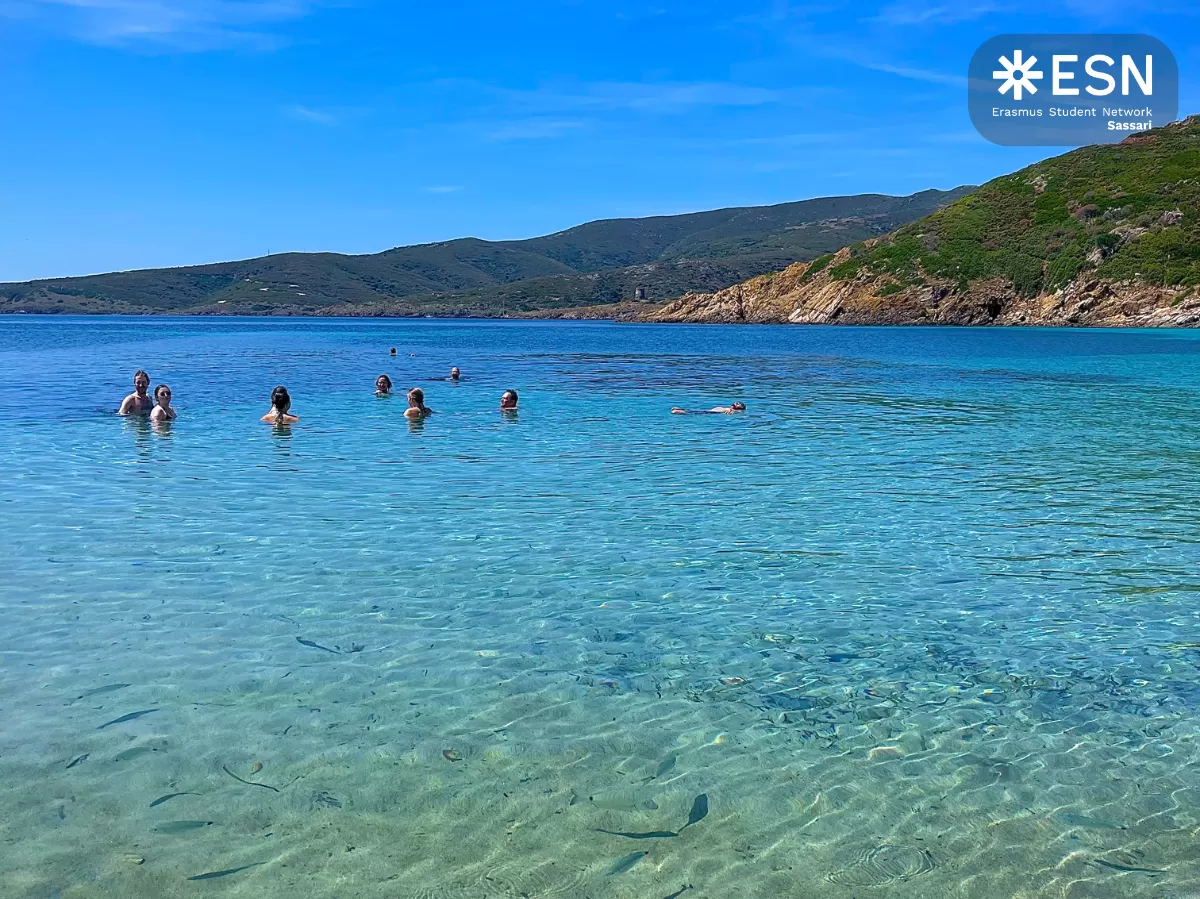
x,y
921,623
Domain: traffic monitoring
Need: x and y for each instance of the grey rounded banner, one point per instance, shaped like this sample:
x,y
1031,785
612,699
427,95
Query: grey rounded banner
x,y
1066,90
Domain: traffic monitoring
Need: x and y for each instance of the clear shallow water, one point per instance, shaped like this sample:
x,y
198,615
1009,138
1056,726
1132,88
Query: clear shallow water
x,y
922,623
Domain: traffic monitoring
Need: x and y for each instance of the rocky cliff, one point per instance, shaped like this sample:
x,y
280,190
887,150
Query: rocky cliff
x,y
787,297
1102,236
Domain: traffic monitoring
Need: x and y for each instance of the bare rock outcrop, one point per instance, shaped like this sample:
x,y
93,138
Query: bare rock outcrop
x,y
792,296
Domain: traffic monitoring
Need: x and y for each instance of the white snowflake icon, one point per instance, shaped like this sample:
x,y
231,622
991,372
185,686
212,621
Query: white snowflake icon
x,y
1017,74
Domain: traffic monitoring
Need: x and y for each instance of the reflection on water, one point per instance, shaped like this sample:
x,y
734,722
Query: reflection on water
x,y
139,427
921,623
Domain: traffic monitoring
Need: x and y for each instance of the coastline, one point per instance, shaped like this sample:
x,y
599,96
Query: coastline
x,y
1182,316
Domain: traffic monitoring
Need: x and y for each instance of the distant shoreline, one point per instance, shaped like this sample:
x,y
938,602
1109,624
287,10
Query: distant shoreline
x,y
602,319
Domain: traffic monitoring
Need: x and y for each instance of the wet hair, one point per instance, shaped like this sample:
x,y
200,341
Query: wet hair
x,y
140,374
387,382
738,405
280,399
160,388
417,395
511,393
393,351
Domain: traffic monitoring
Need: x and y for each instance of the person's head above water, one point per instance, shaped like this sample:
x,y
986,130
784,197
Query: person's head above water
x,y
416,405
508,400
455,373
162,410
393,351
383,384
139,401
737,406
281,402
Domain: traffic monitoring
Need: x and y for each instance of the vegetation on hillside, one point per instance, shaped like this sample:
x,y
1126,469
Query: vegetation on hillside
x,y
599,262
1125,212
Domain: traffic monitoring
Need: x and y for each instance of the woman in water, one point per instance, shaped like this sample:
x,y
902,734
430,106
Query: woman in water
x,y
508,401
162,411
416,404
383,386
280,404
716,410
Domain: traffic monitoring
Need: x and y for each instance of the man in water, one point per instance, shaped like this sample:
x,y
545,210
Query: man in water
x,y
716,410
139,402
508,401
455,374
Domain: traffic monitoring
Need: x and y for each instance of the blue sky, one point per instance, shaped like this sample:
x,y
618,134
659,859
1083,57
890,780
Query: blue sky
x,y
142,133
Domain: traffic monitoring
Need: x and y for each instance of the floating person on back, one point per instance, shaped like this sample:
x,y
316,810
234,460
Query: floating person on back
x,y
281,402
731,409
383,386
162,411
416,404
508,401
138,402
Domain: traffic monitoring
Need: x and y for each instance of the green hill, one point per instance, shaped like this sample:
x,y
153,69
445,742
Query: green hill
x,y
598,262
1104,235
1124,211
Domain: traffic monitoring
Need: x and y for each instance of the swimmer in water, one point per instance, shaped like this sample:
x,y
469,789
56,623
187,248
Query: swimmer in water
x,y
281,402
508,401
455,374
162,411
383,386
416,404
138,402
393,351
731,409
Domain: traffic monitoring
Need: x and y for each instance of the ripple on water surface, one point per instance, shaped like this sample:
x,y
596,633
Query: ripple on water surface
x,y
919,624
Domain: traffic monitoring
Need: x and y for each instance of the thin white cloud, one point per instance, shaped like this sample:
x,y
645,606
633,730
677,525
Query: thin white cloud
x,y
188,25
868,55
443,189
308,114
917,13
532,129
1124,11
780,13
647,12
861,57
913,73
657,97
801,139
